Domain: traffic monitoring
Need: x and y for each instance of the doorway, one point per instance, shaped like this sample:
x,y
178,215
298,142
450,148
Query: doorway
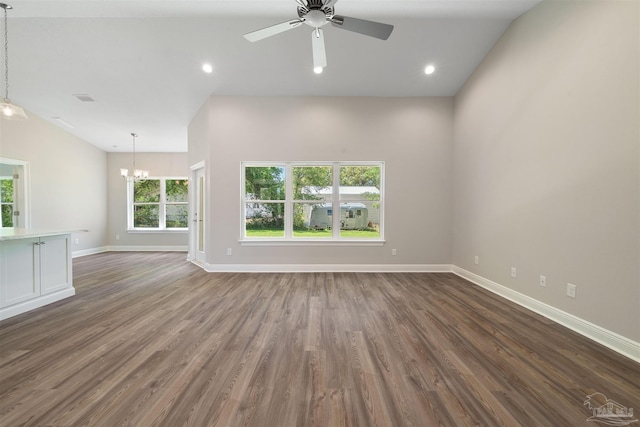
x,y
14,200
197,229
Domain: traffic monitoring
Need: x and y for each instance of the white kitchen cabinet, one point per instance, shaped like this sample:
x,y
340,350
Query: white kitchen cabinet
x,y
55,263
35,271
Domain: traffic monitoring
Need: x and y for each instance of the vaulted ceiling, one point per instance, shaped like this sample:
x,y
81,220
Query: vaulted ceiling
x,y
140,61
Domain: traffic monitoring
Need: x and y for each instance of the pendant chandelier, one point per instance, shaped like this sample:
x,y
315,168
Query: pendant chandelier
x,y
8,110
138,174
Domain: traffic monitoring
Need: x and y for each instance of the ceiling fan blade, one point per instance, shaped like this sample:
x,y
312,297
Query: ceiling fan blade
x,y
319,53
362,26
254,36
330,3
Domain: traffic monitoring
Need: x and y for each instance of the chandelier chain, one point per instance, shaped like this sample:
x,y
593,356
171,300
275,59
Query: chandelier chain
x,y
134,150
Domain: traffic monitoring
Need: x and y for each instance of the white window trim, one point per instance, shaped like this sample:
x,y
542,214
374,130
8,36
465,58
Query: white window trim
x,y
162,208
288,239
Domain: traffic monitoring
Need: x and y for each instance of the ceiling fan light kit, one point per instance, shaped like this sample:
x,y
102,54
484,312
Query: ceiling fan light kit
x,y
316,14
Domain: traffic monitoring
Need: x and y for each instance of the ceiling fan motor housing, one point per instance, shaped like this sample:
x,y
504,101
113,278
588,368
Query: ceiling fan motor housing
x,y
315,14
315,4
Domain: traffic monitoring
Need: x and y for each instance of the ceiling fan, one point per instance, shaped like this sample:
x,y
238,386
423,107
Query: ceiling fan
x,y
316,14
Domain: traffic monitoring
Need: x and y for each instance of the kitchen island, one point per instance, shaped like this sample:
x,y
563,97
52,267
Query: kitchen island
x,y
35,269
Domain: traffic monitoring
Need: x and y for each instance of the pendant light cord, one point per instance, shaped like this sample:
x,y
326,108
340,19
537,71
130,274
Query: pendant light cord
x,y
6,56
134,135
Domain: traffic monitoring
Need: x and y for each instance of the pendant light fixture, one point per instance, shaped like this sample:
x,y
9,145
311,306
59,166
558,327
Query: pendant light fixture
x,y
138,174
8,110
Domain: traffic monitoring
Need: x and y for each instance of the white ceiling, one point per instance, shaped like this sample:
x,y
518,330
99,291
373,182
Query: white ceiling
x,y
140,60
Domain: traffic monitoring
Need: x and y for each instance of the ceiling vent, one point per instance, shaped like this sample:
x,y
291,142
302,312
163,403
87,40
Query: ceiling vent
x,y
84,97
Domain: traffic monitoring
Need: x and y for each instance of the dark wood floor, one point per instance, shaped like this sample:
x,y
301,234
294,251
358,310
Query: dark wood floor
x,y
151,339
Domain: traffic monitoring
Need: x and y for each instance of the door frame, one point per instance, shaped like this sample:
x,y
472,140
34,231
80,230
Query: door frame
x,y
197,214
21,192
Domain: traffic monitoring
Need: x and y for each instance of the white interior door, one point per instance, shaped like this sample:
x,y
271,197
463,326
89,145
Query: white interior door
x,y
198,216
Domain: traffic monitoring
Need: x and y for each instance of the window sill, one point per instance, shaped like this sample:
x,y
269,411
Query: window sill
x,y
309,242
156,230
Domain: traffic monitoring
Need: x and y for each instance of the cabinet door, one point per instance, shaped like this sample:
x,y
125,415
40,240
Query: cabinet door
x,y
20,275
55,263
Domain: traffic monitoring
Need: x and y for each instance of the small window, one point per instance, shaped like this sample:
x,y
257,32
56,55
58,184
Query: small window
x,y
158,204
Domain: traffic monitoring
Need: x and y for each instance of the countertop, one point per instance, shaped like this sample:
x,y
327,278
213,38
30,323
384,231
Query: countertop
x,y
26,233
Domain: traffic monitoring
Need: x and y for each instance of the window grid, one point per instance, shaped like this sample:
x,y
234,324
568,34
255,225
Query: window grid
x,y
335,200
161,205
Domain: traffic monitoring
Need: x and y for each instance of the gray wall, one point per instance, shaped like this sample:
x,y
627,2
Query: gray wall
x,y
546,161
413,136
68,178
75,185
158,165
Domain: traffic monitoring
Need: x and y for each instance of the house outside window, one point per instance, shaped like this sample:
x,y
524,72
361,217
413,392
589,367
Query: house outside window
x,y
158,204
296,201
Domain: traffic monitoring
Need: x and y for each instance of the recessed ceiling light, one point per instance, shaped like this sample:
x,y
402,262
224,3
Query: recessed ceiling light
x,y
317,70
207,68
429,69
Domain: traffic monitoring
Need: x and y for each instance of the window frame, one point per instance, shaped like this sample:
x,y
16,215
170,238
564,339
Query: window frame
x,y
288,239
162,207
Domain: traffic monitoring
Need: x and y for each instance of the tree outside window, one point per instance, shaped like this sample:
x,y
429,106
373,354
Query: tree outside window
x,y
6,201
264,196
176,206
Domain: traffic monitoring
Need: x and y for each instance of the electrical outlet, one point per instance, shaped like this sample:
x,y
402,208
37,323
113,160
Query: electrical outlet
x,y
476,260
229,252
76,241
394,252
513,272
117,237
543,281
571,290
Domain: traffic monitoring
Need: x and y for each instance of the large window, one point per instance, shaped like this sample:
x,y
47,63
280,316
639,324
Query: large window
x,y
158,204
312,201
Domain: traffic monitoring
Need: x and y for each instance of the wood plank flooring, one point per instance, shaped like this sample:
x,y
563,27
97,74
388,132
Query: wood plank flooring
x,y
152,340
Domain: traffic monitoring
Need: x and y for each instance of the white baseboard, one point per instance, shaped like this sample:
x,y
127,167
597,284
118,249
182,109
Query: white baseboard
x,y
147,248
335,268
102,249
32,304
85,252
615,342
